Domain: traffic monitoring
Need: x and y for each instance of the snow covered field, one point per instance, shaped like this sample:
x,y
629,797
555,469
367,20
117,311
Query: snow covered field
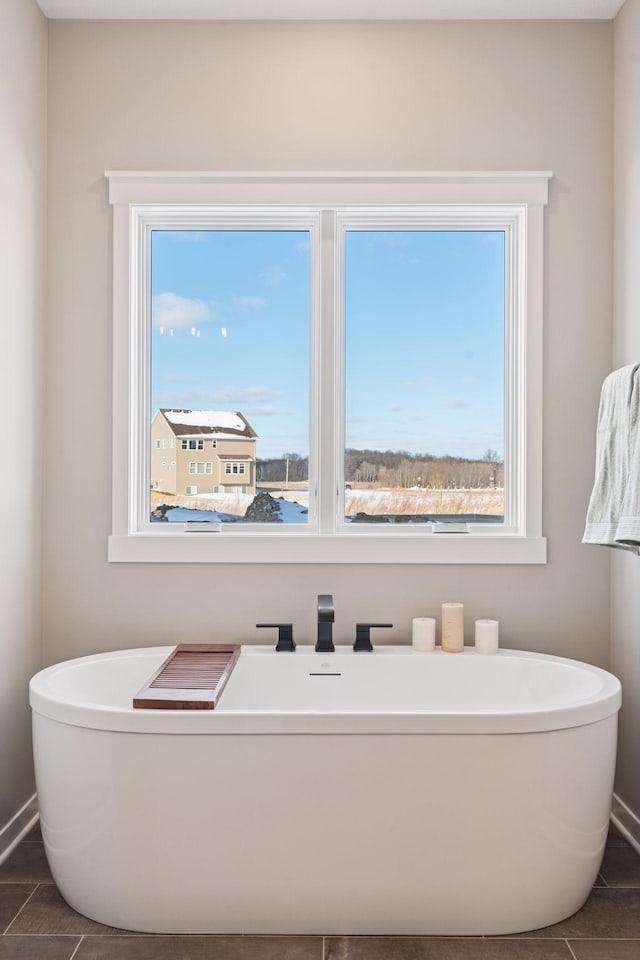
x,y
229,507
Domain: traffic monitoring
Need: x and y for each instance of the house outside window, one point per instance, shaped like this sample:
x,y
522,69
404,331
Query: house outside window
x,y
233,434
381,226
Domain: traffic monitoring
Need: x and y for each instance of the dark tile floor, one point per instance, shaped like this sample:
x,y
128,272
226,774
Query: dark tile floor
x,y
36,924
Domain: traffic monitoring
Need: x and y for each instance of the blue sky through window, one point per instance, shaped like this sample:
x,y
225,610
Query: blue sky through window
x,y
230,320
424,340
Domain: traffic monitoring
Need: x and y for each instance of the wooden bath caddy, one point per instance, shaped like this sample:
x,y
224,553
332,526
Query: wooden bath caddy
x,y
191,678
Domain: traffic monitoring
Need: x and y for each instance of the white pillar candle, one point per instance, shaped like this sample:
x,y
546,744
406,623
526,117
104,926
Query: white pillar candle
x,y
453,627
487,636
423,636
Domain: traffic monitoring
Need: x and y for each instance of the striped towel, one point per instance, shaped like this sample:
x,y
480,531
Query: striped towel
x,y
613,517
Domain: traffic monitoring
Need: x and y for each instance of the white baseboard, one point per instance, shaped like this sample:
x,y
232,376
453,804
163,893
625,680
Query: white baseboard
x,y
18,827
627,822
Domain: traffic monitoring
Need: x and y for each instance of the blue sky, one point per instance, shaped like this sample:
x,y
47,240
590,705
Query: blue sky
x,y
238,305
424,342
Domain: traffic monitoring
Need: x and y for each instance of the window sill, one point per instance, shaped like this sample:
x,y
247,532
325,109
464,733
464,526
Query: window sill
x,y
182,547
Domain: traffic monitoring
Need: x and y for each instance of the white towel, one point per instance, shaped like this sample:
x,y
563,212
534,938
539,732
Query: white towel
x,y
613,517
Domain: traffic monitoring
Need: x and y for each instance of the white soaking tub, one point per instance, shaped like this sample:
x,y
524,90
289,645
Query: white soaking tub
x,y
392,792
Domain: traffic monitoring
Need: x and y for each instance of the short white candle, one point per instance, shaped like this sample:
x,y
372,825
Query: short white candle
x,y
423,636
487,636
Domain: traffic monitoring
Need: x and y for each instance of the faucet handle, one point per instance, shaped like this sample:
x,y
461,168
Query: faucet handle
x,y
326,610
285,636
363,636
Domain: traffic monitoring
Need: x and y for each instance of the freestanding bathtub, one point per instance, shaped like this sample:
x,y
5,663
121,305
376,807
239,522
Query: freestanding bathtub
x,y
392,792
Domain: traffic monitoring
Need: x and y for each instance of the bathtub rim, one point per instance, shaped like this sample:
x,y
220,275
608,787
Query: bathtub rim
x,y
597,707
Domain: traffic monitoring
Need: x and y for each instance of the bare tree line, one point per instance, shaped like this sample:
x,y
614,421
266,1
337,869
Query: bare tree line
x,y
397,469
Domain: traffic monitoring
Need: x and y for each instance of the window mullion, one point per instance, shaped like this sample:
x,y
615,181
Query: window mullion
x,y
327,372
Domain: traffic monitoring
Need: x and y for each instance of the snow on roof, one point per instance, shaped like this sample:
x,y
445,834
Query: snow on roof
x,y
211,423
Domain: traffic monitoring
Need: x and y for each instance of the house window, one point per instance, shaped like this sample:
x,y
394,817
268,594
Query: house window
x,y
200,467
158,444
214,444
190,490
388,359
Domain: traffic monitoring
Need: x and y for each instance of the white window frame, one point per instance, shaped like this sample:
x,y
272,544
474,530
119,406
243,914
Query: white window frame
x,y
329,204
207,467
230,471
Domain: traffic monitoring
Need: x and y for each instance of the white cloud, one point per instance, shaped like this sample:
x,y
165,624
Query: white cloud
x,y
223,331
172,312
272,276
265,410
249,303
226,395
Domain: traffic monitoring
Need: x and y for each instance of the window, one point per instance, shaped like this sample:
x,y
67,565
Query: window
x,y
191,490
424,322
234,468
381,340
229,353
158,444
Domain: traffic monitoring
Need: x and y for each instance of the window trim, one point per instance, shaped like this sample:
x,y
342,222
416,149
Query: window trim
x,y
521,194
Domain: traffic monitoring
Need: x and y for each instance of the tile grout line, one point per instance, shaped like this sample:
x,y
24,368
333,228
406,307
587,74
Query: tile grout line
x,y
21,908
566,941
77,947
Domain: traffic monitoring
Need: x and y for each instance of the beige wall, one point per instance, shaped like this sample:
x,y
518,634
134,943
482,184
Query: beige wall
x,y
23,67
313,96
625,573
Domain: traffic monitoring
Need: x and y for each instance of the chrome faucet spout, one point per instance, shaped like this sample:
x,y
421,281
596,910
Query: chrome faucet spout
x,y
326,617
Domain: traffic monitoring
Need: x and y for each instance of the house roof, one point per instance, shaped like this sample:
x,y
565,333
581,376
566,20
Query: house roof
x,y
217,424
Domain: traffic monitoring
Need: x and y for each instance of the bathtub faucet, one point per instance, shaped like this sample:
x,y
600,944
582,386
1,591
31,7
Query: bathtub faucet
x,y
326,616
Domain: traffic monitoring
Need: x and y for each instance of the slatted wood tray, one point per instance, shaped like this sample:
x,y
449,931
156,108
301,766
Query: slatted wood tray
x,y
191,678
